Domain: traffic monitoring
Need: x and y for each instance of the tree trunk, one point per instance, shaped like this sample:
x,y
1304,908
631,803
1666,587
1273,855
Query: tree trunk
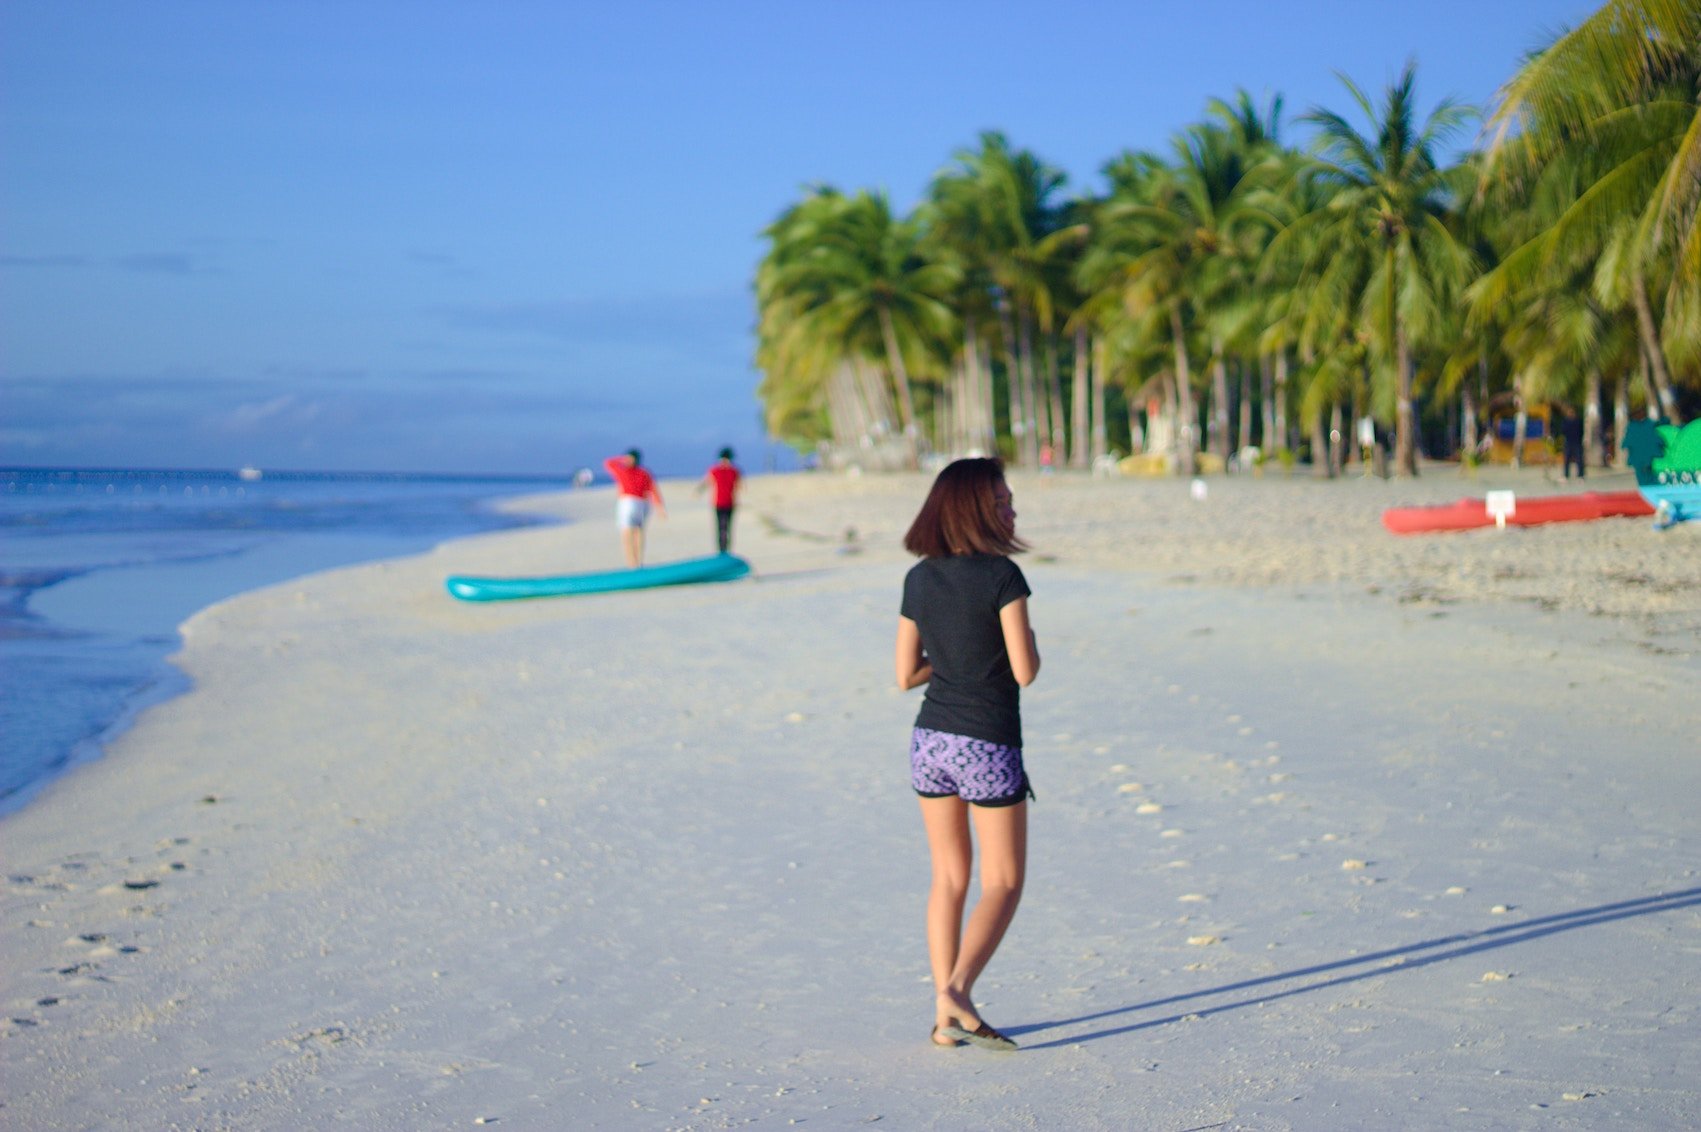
x,y
1353,450
1217,426
875,393
1059,434
901,378
1243,439
1405,419
1620,418
1186,427
839,424
1267,404
1594,444
1520,421
982,433
1080,406
853,405
1101,358
853,422
1281,399
1467,423
945,407
874,404
1659,374
1012,378
1171,414
1337,443
1030,388
1322,462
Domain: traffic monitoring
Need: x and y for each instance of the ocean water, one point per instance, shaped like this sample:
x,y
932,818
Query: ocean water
x,y
98,568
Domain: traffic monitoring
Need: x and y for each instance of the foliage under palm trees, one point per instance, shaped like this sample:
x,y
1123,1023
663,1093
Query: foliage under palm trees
x,y
1361,278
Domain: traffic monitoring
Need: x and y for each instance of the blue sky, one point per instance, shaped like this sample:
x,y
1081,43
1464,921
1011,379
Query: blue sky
x,y
514,237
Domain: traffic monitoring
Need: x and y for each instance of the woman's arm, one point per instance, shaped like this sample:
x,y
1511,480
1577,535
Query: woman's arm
x,y
1019,641
912,668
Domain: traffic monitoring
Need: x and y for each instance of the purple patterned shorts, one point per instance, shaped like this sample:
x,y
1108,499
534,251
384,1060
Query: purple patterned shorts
x,y
983,773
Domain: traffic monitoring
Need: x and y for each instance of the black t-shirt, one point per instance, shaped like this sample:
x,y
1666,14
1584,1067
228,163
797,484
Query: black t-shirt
x,y
956,602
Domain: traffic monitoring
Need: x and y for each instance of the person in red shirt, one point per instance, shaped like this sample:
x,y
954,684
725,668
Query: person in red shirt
x,y
637,490
723,478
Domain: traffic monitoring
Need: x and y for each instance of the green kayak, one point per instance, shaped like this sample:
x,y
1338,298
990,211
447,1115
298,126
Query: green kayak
x,y
715,568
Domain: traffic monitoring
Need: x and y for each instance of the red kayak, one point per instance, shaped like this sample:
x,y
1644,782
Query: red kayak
x,y
1527,512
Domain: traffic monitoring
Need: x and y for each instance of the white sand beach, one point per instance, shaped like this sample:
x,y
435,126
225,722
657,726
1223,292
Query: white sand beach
x,y
1335,830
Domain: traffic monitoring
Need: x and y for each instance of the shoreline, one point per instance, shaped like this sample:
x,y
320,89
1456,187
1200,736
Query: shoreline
x,y
649,858
130,613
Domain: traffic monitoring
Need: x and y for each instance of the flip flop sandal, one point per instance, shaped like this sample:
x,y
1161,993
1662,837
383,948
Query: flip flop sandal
x,y
983,1036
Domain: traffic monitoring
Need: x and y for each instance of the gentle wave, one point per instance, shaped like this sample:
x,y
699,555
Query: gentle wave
x,y
99,567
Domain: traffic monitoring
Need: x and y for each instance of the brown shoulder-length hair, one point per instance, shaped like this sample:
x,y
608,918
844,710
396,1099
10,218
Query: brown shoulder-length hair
x,y
961,514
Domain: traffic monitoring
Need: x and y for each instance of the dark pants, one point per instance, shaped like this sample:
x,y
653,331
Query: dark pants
x,y
723,528
1574,455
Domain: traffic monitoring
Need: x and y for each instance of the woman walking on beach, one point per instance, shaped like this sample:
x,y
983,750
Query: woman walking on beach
x,y
632,507
964,633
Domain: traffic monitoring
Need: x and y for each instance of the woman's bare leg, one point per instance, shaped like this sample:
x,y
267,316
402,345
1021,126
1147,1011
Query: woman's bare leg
x,y
960,953
947,823
632,542
1003,835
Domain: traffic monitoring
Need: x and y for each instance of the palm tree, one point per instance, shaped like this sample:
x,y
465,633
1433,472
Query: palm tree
x,y
954,228
1181,239
1382,240
854,281
1133,277
995,208
804,378
1615,106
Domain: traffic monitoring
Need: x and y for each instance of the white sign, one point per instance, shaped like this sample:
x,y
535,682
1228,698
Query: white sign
x,y
1500,504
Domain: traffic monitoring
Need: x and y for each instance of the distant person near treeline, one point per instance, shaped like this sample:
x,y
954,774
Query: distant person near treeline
x,y
632,507
722,478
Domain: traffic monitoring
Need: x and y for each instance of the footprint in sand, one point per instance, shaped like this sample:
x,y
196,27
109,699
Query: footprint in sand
x,y
134,884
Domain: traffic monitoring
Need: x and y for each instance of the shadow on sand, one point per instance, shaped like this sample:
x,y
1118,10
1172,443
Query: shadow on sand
x,y
1406,958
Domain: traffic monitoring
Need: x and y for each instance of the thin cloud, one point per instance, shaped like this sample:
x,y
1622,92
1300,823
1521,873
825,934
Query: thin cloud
x,y
444,263
158,263
36,261
287,410
614,321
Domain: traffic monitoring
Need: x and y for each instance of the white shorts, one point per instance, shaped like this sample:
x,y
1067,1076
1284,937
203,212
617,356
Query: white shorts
x,y
630,511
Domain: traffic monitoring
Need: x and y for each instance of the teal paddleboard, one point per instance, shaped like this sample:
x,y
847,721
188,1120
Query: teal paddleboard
x,y
715,568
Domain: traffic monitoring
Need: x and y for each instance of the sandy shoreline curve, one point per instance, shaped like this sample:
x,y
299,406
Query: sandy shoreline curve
x,y
1335,830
